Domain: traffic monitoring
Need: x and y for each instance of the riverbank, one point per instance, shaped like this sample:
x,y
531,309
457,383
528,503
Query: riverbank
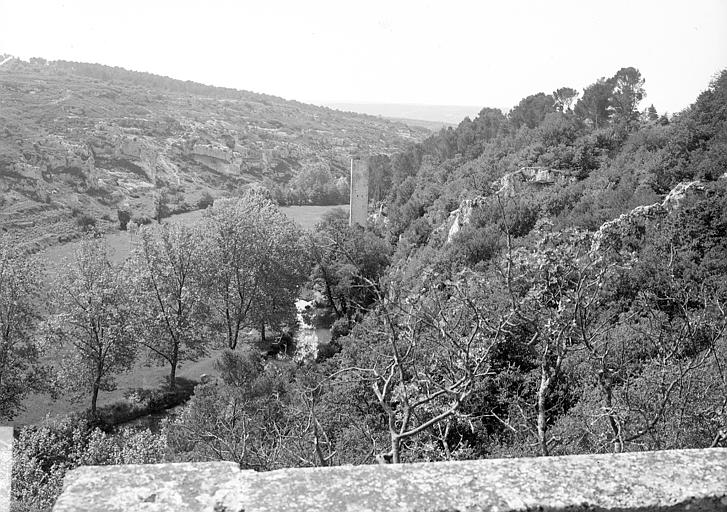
x,y
38,406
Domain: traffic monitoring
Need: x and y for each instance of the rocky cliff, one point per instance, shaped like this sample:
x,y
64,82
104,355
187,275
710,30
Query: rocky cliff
x,y
608,237
510,184
611,234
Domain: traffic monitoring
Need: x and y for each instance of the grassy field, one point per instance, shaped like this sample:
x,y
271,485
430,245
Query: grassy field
x,y
40,405
308,216
120,242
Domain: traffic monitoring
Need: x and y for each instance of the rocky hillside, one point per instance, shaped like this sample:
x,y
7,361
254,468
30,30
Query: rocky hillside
x,y
85,139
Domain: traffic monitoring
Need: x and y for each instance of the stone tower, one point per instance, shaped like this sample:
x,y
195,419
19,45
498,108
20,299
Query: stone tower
x,y
359,199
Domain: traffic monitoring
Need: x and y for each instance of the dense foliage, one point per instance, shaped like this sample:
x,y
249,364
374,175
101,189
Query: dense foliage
x,y
524,289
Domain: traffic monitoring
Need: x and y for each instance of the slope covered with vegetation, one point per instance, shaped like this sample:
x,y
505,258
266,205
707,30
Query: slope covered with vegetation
x,y
557,282
550,281
78,142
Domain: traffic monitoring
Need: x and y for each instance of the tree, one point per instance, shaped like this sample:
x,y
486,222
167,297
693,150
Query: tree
x,y
91,321
652,114
594,104
489,123
532,110
379,178
564,98
284,267
237,246
124,217
161,205
315,184
243,418
19,294
171,310
42,454
345,259
561,307
628,91
423,354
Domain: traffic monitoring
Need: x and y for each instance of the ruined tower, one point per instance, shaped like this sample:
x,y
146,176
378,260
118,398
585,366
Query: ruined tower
x,y
359,199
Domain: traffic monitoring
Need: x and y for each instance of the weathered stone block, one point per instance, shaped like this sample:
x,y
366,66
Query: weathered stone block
x,y
694,480
149,487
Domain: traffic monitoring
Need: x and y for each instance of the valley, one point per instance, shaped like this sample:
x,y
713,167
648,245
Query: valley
x,y
79,142
55,258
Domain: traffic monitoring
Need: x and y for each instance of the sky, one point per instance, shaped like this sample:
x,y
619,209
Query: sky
x,y
453,52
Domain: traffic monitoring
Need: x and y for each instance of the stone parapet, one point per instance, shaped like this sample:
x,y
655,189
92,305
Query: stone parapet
x,y
694,480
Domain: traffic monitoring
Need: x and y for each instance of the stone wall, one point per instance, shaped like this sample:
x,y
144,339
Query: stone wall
x,y
694,480
359,199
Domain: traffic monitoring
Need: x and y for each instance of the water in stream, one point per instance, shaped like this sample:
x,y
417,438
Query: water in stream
x,y
308,337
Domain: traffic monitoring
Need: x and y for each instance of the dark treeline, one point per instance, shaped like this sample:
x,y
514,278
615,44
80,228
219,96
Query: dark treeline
x,y
574,310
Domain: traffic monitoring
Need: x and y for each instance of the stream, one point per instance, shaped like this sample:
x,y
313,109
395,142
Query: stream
x,y
308,337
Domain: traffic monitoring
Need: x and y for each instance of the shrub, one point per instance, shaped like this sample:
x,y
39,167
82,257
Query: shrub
x,y
205,201
85,221
327,350
124,218
341,327
43,454
142,402
141,220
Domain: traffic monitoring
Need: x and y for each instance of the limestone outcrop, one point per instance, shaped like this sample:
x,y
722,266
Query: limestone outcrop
x,y
631,224
220,159
682,191
609,235
462,216
510,184
513,182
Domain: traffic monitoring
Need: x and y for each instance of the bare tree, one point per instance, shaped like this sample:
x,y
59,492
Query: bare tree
x,y
431,349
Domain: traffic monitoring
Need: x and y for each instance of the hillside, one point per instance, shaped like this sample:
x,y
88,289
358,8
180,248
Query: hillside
x,y
554,283
600,155
85,139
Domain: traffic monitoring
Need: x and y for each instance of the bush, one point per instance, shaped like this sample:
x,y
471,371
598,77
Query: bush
x,y
85,221
205,201
141,220
340,328
43,454
142,402
124,218
327,351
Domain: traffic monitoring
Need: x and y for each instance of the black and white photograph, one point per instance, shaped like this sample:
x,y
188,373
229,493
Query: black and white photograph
x,y
393,255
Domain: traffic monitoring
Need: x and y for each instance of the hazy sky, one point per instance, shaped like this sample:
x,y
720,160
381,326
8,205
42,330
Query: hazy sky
x,y
448,52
